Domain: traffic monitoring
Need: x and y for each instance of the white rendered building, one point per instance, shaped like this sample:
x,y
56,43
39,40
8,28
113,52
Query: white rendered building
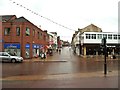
x,y
87,41
90,42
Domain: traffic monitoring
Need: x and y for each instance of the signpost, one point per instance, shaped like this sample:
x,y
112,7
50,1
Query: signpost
x,y
105,63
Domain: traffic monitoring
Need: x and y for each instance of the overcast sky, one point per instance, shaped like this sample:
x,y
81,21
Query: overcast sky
x,y
73,14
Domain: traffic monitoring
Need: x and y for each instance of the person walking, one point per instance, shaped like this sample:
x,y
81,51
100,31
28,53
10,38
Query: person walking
x,y
59,50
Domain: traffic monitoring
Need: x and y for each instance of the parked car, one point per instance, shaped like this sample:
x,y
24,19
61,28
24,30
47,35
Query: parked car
x,y
6,57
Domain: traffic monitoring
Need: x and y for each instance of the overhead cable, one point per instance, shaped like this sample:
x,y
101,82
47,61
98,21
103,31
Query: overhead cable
x,y
41,15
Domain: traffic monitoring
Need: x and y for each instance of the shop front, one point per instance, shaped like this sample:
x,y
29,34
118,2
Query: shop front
x,y
27,51
12,48
36,50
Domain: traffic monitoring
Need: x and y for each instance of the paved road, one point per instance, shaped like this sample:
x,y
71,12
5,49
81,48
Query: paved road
x,y
65,70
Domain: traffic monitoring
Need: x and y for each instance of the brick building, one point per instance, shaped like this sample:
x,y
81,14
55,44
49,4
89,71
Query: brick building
x,y
22,37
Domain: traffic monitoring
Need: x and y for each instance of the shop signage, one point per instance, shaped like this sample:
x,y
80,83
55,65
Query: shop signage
x,y
27,46
36,46
11,45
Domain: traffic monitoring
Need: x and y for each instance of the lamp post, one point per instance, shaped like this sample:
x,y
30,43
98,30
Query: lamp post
x,y
105,63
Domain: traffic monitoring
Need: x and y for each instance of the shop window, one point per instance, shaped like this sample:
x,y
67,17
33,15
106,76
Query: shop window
x,y
27,32
18,31
7,31
109,36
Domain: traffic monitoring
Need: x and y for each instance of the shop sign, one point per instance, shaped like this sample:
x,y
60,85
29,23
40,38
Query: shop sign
x,y
12,46
27,46
40,46
36,46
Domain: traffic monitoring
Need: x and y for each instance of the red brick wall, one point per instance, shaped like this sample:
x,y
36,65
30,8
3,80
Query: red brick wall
x,y
1,34
23,39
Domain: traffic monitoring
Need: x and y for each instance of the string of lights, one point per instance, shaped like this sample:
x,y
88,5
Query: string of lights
x,y
40,15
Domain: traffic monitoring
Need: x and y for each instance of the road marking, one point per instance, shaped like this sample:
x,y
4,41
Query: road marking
x,y
51,60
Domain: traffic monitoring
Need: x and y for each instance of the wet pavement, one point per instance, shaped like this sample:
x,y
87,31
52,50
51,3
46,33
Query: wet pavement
x,y
63,70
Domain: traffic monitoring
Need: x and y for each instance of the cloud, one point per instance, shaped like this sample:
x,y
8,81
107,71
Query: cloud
x,y
73,14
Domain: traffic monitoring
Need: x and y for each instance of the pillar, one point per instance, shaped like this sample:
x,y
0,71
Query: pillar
x,y
84,51
96,52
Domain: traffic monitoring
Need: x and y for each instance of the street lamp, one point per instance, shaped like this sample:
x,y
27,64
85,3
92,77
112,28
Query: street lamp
x,y
105,63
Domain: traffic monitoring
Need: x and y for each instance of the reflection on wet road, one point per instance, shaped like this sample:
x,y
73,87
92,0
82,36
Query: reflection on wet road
x,y
72,64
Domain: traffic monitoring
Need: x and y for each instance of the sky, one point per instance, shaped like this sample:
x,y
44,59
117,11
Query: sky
x,y
72,14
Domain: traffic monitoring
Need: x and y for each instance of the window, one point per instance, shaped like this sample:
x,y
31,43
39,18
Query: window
x,y
87,36
38,35
99,36
33,32
109,36
4,54
18,31
118,36
82,37
105,36
7,31
93,36
27,32
114,36
41,35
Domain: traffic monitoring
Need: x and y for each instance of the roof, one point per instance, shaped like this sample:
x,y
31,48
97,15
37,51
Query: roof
x,y
54,33
20,19
7,17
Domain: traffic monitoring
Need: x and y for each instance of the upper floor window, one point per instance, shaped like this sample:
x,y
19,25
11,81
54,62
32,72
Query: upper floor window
x,y
114,36
87,36
27,31
99,36
105,36
82,37
7,31
109,36
38,35
18,31
118,36
93,36
33,32
90,36
41,35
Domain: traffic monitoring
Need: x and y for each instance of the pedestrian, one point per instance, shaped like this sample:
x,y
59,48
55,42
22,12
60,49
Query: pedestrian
x,y
59,50
42,55
45,55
